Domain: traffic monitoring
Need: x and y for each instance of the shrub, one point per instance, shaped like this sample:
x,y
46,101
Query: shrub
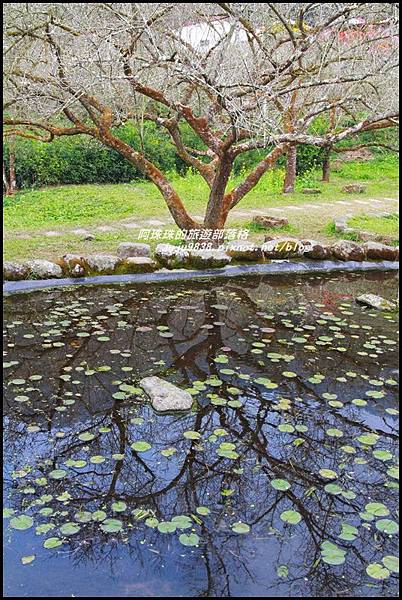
x,y
81,159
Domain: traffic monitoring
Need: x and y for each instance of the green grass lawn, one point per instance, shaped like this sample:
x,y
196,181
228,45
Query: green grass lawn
x,y
387,226
61,209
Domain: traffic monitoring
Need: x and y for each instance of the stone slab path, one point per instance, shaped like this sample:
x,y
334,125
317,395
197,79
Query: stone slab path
x,y
331,209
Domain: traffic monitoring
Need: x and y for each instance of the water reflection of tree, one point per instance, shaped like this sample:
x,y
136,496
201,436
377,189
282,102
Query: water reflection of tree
x,y
196,475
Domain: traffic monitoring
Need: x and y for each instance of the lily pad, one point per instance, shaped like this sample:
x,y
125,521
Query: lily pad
x,y
202,510
334,432
111,525
332,554
69,528
377,509
83,516
328,474
52,542
119,506
291,516
391,563
86,436
190,539
141,446
99,515
377,571
240,527
57,474
192,435
387,526
280,484
167,527
368,439
21,522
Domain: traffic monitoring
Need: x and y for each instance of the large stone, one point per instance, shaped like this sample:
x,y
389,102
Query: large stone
x,y
268,222
243,250
15,271
74,265
311,191
103,264
209,259
43,269
354,188
377,251
138,264
131,249
341,223
172,257
165,396
315,250
361,154
364,236
347,250
376,302
278,248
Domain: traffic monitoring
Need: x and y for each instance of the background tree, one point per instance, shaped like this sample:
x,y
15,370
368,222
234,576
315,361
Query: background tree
x,y
241,75
9,178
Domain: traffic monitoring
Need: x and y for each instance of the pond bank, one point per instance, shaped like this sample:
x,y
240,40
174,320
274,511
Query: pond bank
x,y
279,268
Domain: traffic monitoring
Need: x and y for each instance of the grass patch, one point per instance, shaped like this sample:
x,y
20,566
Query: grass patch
x,y
79,205
331,231
381,167
387,225
84,205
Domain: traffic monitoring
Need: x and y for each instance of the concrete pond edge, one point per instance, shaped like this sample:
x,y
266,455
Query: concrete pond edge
x,y
274,269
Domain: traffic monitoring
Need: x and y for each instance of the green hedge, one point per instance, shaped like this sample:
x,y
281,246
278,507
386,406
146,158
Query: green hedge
x,y
81,159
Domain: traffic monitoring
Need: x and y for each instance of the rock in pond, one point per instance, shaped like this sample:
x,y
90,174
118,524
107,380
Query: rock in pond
x,y
103,264
15,271
209,259
376,302
347,250
43,269
138,264
270,222
132,249
244,250
172,257
378,251
165,396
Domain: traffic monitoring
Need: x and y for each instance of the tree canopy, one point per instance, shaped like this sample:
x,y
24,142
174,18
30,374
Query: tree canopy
x,y
241,75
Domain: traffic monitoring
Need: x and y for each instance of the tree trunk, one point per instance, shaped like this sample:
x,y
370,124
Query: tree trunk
x,y
9,178
290,175
217,210
12,179
6,184
326,166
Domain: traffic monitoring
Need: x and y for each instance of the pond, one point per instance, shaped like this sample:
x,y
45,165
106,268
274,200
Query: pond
x,y
282,480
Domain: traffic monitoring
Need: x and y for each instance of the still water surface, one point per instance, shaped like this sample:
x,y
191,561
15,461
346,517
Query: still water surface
x,y
281,482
